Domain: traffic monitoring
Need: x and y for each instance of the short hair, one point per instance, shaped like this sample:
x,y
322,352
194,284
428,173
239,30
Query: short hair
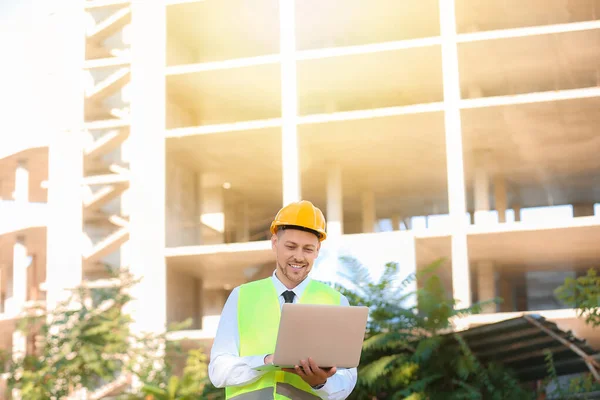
x,y
282,228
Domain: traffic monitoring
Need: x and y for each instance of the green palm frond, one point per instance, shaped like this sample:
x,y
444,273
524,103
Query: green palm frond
x,y
375,370
389,341
418,386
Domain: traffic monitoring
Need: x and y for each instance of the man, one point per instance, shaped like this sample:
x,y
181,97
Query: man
x,y
249,322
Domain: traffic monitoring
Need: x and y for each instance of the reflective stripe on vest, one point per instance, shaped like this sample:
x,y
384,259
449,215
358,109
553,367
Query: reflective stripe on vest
x,y
259,312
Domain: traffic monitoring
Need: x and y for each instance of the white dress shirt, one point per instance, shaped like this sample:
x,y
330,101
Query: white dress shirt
x,y
227,368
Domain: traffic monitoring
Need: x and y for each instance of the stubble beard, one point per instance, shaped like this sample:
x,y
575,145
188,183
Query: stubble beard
x,y
290,274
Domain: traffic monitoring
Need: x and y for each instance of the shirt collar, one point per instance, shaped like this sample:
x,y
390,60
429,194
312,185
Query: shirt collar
x,y
280,287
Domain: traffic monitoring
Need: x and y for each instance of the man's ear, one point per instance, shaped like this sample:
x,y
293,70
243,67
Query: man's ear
x,y
318,249
274,241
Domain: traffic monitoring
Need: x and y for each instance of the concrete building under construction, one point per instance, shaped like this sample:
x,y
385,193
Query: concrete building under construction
x,y
465,129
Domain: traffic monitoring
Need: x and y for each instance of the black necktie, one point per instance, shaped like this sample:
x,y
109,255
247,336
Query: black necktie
x,y
288,295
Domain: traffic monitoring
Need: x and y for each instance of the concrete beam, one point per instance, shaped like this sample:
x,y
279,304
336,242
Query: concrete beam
x,y
371,113
110,25
106,124
223,65
222,128
108,179
107,143
111,84
102,197
107,246
367,49
529,31
528,98
120,61
97,4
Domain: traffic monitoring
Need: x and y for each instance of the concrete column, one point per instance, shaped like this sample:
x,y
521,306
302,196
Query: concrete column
x,y
147,187
65,219
289,102
369,216
335,205
482,196
20,263
21,193
517,210
212,206
243,223
213,301
486,284
19,281
500,198
583,210
507,288
396,222
63,119
461,278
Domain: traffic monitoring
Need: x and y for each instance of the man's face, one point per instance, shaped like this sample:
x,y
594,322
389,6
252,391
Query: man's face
x,y
295,254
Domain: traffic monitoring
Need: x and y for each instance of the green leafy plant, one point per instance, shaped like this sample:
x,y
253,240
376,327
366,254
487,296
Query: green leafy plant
x,y
82,343
86,342
409,350
583,293
192,385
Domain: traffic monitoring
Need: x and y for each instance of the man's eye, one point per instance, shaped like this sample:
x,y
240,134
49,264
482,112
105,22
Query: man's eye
x,y
290,247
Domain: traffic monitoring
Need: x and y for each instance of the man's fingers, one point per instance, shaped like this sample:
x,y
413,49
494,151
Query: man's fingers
x,y
313,364
306,367
325,372
300,372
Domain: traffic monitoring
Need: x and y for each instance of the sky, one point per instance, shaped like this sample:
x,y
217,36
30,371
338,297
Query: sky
x,y
18,44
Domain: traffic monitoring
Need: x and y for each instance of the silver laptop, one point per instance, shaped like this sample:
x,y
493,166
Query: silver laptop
x,y
330,335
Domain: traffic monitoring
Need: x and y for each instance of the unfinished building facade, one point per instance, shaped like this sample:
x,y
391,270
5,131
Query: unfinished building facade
x,y
464,129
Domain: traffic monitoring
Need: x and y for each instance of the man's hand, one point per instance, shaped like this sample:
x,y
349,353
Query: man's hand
x,y
310,372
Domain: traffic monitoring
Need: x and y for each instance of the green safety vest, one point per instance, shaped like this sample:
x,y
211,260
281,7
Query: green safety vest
x,y
259,312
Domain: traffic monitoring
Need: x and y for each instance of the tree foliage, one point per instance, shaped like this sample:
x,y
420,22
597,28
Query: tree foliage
x,y
192,385
409,351
583,293
87,342
82,343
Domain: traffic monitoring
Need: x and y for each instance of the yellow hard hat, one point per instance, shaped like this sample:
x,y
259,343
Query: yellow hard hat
x,y
301,215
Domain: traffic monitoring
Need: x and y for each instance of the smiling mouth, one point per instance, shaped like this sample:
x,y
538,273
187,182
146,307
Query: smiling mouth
x,y
296,266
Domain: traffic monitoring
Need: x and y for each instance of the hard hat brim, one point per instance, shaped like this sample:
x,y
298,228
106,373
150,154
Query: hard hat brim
x,y
280,227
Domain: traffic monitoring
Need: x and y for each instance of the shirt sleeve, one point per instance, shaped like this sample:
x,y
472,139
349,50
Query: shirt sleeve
x,y
226,367
342,383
